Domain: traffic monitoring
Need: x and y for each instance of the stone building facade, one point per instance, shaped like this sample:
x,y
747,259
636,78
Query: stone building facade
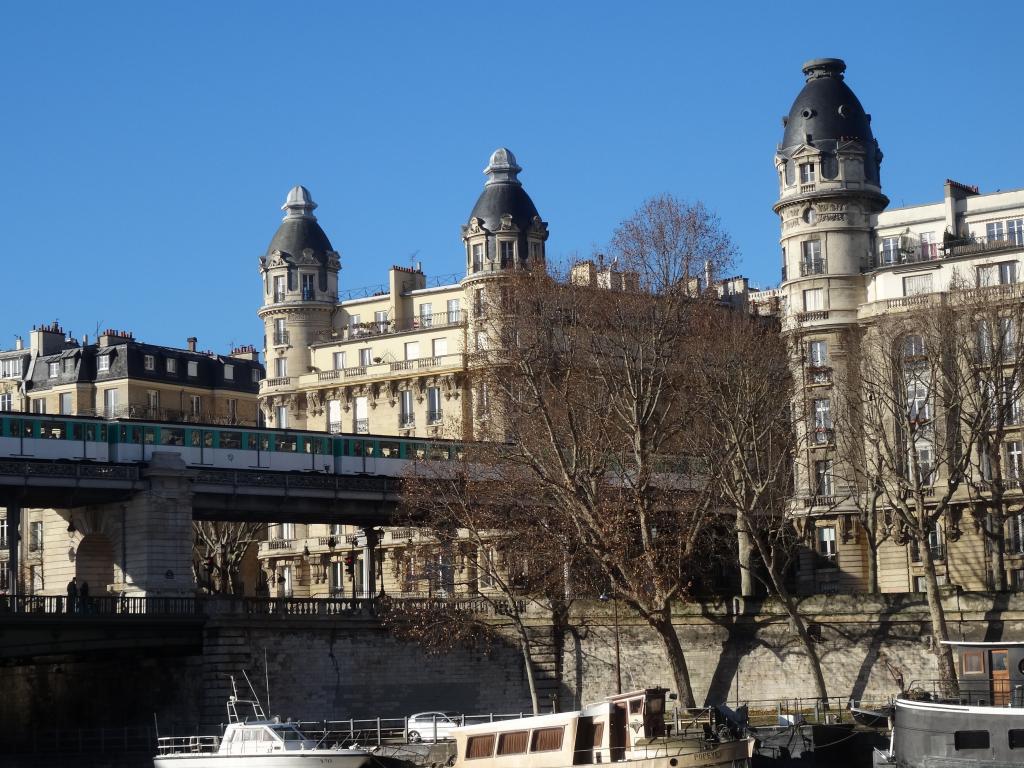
x,y
847,262
115,377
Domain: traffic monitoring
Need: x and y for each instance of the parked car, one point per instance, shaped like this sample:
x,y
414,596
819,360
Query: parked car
x,y
432,726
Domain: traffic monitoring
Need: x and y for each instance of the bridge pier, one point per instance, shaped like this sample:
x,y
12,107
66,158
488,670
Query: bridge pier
x,y
370,561
13,546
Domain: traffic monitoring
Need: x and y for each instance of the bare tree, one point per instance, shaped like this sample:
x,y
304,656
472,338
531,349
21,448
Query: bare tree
x,y
218,551
746,391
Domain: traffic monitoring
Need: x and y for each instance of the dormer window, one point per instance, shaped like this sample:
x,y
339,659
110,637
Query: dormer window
x,y
103,363
806,173
279,288
172,365
149,362
535,255
54,370
478,256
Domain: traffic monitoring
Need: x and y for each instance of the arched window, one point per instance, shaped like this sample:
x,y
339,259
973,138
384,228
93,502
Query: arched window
x,y
829,165
913,346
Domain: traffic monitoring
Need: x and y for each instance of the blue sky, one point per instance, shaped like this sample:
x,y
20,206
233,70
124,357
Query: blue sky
x,y
146,147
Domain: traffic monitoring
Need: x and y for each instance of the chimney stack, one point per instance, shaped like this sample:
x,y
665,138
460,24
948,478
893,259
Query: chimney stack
x,y
192,341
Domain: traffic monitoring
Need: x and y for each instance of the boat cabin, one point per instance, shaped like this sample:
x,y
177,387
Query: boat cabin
x,y
990,674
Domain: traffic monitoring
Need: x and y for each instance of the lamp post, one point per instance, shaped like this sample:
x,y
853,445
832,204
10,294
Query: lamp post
x,y
604,598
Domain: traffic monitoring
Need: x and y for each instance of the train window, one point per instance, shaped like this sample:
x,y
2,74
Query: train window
x,y
149,435
231,439
52,430
103,432
389,450
15,427
28,429
418,450
208,439
285,443
131,434
90,432
439,452
194,437
172,436
314,445
369,447
357,447
460,452
251,442
264,442
76,431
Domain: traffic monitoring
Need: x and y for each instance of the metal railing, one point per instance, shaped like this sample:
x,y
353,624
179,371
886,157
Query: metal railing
x,y
374,328
979,692
101,605
812,267
281,337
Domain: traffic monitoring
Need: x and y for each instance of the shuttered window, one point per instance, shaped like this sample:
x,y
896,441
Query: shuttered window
x,y
479,746
547,739
598,734
513,743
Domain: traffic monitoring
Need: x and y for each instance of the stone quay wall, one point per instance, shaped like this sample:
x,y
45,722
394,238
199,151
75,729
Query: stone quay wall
x,y
340,667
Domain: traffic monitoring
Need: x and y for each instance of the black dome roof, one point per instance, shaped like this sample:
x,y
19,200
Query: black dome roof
x,y
504,194
299,229
826,110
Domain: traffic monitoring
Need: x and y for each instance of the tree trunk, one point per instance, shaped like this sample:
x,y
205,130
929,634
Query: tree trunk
x,y
524,644
745,554
944,653
662,624
778,584
872,567
997,555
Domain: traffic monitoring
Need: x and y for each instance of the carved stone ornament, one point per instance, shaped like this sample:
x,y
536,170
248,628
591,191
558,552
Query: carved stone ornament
x,y
314,404
506,222
474,225
333,260
306,258
277,259
538,226
293,405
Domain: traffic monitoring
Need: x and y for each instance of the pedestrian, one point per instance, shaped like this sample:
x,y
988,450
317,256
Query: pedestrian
x,y
72,595
83,596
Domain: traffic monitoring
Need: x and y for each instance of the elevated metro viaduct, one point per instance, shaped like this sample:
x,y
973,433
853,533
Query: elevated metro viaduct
x,y
146,509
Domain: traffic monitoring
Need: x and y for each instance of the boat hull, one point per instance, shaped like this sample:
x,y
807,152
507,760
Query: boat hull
x,y
320,758
929,734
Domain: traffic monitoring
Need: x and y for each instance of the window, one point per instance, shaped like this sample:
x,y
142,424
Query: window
x,y
65,403
547,739
6,402
913,346
1015,231
817,357
812,263
35,540
412,350
196,405
353,325
1016,738
1003,273
1014,459
280,367
365,358
426,315
229,372
513,742
406,416
434,411
478,256
478,302
153,400
282,417
925,464
929,246
110,403
380,321
103,363
255,375
916,284
507,249
454,315
149,362
338,577
970,740
806,173
479,746
362,418
827,542
972,662
814,299
38,405
994,230
284,582
483,401
172,365
481,341
334,416
279,288
1015,537
822,421
339,361
54,370
439,347
308,292
3,533
890,250
919,409
10,368
823,478
193,368
535,252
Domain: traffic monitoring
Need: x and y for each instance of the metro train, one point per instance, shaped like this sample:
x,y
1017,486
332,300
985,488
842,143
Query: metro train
x,y
77,438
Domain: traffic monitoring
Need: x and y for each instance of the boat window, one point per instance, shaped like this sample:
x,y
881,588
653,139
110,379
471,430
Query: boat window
x,y
512,743
970,739
1017,738
655,706
288,734
636,706
598,738
547,739
479,746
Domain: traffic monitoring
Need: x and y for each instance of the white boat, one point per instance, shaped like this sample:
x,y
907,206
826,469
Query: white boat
x,y
256,742
628,729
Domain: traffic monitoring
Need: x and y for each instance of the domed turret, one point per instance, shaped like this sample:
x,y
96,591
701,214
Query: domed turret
x,y
827,114
299,229
504,229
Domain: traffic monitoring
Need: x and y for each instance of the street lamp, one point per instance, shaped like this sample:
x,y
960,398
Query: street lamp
x,y
604,598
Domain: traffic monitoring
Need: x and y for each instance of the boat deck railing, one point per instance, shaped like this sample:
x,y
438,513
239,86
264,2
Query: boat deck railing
x,y
982,692
187,745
